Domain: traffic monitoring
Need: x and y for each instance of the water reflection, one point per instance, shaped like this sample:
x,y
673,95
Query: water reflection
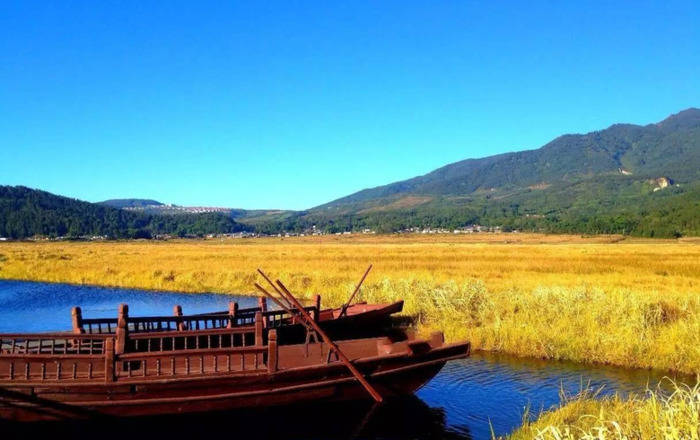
x,y
402,418
491,391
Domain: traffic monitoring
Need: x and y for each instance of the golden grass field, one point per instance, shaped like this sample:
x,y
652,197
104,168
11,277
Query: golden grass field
x,y
605,299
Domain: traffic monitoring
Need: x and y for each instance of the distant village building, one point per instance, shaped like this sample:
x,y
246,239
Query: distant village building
x,y
660,183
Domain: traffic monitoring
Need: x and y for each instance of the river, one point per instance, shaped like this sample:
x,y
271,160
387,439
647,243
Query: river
x,y
466,400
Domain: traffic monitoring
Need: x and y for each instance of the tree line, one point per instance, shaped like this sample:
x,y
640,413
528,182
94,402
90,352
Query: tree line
x,y
26,212
673,212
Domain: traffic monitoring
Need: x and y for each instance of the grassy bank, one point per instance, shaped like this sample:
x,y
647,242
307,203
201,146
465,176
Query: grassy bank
x,y
601,299
658,415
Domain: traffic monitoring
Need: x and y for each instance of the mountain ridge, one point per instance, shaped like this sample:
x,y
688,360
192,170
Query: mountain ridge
x,y
602,151
626,179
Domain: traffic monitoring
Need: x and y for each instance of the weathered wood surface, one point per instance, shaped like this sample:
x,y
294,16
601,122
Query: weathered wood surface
x,y
360,320
179,321
37,386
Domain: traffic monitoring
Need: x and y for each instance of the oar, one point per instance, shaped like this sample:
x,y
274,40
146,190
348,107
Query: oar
x,y
344,307
278,290
375,395
285,308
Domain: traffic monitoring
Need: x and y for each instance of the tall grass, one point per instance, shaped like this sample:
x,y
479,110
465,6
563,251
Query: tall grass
x,y
583,323
594,300
658,415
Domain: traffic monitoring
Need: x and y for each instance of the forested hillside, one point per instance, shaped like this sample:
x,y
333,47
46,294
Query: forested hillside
x,y
629,179
669,148
26,212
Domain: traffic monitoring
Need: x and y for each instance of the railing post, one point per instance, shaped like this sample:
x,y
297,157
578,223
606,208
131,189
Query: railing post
x,y
109,360
262,303
122,329
77,318
272,351
232,314
317,304
258,329
437,339
177,312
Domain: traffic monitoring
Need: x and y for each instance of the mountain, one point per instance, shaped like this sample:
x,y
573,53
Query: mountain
x,y
604,181
670,147
154,207
626,179
130,203
26,212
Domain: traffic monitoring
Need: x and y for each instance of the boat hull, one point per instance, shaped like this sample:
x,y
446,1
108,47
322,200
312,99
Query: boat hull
x,y
391,374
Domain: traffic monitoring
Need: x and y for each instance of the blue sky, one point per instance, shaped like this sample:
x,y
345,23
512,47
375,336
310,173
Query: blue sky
x,y
290,104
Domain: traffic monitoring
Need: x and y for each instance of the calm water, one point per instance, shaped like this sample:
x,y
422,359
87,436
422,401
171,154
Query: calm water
x,y
466,400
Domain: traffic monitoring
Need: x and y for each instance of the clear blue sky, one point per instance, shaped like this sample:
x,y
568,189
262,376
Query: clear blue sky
x,y
290,104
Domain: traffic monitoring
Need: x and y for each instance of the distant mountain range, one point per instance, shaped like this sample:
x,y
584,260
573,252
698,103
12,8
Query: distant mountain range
x,y
150,206
610,181
629,179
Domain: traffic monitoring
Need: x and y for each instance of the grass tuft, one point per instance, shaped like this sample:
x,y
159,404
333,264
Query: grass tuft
x,y
657,415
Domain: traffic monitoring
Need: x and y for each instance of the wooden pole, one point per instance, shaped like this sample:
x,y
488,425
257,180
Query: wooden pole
x,y
317,305
177,312
258,329
344,308
285,308
289,305
77,318
109,360
272,351
232,314
370,389
122,329
262,303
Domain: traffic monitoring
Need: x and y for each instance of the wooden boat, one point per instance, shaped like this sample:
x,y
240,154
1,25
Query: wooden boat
x,y
67,376
162,371
355,321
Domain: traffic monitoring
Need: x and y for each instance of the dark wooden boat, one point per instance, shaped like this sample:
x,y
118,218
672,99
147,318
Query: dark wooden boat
x,y
359,320
67,376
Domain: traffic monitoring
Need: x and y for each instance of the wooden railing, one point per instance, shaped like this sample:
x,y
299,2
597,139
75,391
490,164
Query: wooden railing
x,y
51,343
196,339
38,367
75,365
55,357
153,323
232,305
192,362
180,322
